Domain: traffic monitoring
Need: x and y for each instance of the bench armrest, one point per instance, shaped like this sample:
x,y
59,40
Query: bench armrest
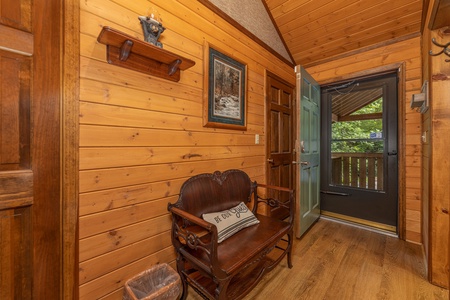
x,y
289,204
273,187
191,218
197,234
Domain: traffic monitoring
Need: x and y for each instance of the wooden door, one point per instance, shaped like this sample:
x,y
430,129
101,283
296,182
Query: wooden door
x,y
30,244
280,122
308,148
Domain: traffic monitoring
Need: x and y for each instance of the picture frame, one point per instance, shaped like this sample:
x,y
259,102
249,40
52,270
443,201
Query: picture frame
x,y
225,95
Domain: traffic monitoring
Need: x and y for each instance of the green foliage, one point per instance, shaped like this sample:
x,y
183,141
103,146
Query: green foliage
x,y
349,133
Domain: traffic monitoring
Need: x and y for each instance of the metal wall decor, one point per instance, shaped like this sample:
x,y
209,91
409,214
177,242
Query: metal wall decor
x,y
445,49
152,30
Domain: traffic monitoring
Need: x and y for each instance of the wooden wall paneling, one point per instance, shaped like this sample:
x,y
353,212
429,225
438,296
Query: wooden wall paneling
x,y
439,165
340,72
93,135
103,243
101,265
91,180
107,93
439,189
142,137
100,71
91,113
98,114
435,123
116,218
105,200
406,50
97,158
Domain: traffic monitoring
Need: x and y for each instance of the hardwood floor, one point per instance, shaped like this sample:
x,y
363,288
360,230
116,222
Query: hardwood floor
x,y
338,261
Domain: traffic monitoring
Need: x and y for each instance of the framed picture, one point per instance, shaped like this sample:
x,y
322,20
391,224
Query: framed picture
x,y
225,102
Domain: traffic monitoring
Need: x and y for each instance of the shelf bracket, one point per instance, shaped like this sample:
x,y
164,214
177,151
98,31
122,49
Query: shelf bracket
x,y
173,67
125,50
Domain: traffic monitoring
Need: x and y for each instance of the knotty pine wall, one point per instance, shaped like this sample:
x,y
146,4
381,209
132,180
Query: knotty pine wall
x,y
436,166
141,137
409,52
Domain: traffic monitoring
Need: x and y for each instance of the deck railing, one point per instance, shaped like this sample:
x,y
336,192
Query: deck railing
x,y
362,170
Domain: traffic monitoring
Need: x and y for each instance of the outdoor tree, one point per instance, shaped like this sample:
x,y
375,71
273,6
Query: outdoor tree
x,y
354,136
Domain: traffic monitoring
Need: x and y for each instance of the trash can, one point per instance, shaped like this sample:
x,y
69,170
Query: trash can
x,y
160,282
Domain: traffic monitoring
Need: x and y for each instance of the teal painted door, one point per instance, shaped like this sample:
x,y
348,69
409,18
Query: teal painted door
x,y
308,151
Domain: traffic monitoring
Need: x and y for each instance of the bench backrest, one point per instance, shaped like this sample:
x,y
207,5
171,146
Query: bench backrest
x,y
212,192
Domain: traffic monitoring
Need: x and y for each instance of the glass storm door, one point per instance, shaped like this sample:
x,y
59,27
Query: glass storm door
x,y
359,151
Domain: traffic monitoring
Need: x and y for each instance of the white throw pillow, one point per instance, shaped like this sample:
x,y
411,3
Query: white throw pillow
x,y
230,221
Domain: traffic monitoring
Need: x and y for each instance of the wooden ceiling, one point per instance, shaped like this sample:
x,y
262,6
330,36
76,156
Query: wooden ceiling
x,y
316,31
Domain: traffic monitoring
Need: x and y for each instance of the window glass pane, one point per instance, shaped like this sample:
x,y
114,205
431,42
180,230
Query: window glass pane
x,y
357,142
363,129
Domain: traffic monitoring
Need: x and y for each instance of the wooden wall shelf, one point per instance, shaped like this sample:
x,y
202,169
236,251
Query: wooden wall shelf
x,y
131,53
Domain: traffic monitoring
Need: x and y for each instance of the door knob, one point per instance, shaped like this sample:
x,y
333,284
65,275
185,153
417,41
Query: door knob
x,y
270,160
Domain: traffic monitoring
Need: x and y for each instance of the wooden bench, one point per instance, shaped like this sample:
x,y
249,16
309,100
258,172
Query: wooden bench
x,y
231,268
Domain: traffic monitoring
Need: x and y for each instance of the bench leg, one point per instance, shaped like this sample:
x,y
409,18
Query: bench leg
x,y
221,289
289,257
180,269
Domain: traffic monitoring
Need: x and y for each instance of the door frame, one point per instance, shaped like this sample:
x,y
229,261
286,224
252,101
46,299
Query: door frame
x,y
70,90
401,90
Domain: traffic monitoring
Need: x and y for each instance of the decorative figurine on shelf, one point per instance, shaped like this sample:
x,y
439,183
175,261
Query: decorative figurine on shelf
x,y
152,30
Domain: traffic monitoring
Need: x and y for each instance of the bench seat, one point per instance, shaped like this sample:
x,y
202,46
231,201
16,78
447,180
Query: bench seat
x,y
247,244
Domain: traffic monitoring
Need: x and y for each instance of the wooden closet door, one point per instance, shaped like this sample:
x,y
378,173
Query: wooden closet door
x,y
16,175
280,146
30,202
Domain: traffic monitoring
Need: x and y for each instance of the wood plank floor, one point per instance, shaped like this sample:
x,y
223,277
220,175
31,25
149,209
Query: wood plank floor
x,y
338,261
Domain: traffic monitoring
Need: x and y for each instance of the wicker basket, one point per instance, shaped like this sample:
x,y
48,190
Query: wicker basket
x,y
160,282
